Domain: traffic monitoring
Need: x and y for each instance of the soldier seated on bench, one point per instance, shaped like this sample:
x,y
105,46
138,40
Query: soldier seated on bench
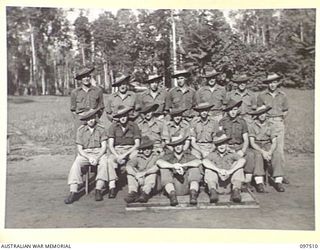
x,y
179,164
223,167
142,172
91,145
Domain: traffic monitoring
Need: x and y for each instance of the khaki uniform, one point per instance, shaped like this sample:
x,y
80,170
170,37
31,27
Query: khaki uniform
x,y
160,98
153,130
178,99
171,129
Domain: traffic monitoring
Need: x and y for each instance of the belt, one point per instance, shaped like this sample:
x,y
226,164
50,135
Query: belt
x,y
263,142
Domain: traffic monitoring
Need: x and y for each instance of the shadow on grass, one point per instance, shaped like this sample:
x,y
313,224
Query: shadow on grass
x,y
19,100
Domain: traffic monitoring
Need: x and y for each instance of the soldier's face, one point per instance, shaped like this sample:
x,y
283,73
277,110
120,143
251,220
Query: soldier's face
x,y
262,117
147,152
177,119
181,81
123,88
92,121
178,148
242,86
86,80
233,112
273,85
154,86
204,114
222,148
212,82
123,119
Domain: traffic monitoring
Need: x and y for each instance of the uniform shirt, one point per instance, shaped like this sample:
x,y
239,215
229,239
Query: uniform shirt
x,y
171,129
142,163
264,132
171,158
126,136
248,98
88,139
223,161
234,129
115,101
178,99
146,99
203,131
216,97
153,129
84,100
278,104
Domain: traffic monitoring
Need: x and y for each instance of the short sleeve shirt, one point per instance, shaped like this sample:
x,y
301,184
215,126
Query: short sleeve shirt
x,y
171,158
88,139
203,131
125,136
178,99
142,163
216,97
264,132
85,100
224,161
114,101
171,129
278,103
248,98
160,98
152,129
234,129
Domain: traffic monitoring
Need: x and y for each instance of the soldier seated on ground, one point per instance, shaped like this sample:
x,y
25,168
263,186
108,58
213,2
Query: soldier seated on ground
x,y
91,144
179,165
142,172
263,139
123,140
223,167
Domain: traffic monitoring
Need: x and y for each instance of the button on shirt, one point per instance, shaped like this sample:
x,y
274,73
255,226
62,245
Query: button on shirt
x,y
82,100
142,163
171,129
203,131
171,158
278,103
216,96
262,132
248,98
91,139
223,161
234,129
160,98
115,100
126,136
179,99
152,128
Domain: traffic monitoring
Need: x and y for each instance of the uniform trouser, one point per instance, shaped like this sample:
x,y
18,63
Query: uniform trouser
x,y
205,147
279,130
104,171
146,183
112,160
250,167
214,181
276,160
168,175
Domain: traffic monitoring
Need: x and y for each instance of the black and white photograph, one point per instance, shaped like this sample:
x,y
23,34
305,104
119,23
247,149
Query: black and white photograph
x,y
160,118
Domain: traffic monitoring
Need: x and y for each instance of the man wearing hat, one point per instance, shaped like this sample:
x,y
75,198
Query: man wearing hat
x,y
150,126
263,139
123,140
179,164
91,144
223,167
213,94
142,172
277,100
202,131
236,129
154,95
176,126
181,96
242,93
121,97
86,96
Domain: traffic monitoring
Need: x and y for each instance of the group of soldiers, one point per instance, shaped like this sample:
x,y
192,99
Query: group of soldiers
x,y
179,139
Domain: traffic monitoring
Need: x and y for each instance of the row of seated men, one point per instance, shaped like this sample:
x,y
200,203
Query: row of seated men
x,y
231,150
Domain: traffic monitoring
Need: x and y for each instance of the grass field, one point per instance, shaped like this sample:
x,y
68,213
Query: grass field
x,y
47,121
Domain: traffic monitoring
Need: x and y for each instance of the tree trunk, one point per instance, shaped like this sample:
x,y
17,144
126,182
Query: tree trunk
x,y
43,82
34,61
83,55
301,32
263,35
55,76
105,71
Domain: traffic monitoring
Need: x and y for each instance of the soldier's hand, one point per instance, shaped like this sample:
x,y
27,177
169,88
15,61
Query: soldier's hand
x,y
240,153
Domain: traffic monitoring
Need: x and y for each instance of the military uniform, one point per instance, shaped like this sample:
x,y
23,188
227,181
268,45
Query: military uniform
x,y
179,99
171,129
115,100
152,129
146,98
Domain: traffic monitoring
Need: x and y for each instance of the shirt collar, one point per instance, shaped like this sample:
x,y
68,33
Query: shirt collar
x,y
187,89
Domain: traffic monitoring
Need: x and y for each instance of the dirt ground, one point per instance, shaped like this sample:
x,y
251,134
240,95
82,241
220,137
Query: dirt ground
x,y
37,186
